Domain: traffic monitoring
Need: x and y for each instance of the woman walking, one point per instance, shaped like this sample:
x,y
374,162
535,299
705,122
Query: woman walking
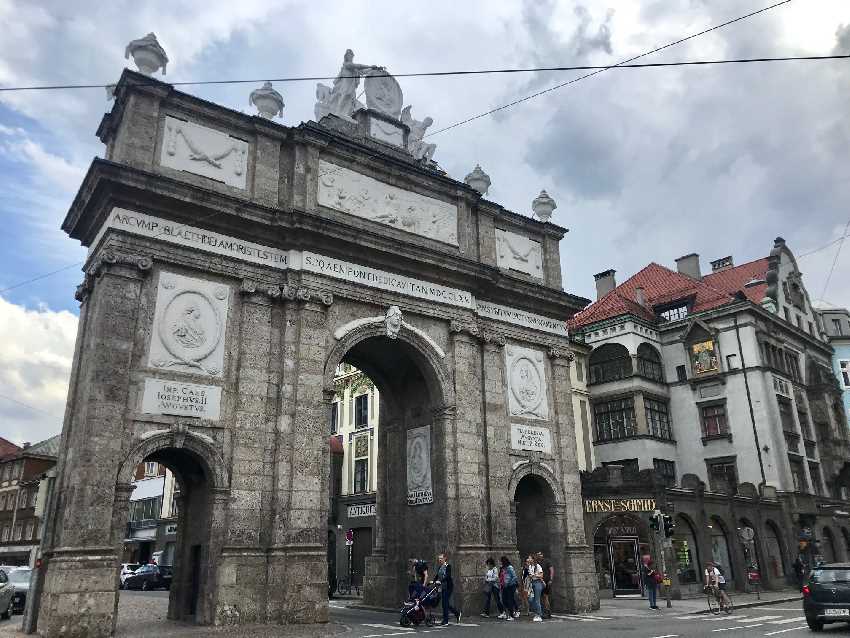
x,y
444,577
491,589
508,583
535,588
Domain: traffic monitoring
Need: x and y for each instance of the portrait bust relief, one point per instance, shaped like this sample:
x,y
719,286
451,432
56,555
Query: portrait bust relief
x,y
526,375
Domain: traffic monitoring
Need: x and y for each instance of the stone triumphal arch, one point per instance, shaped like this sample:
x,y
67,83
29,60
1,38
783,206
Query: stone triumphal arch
x,y
233,264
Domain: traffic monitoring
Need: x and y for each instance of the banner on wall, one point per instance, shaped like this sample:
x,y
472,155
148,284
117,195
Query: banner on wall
x,y
419,489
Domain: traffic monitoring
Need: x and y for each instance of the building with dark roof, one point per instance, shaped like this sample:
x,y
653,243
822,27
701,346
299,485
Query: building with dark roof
x,y
713,400
22,496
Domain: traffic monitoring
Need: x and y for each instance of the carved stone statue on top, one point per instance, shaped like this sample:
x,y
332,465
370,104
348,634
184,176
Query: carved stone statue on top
x,y
418,148
341,100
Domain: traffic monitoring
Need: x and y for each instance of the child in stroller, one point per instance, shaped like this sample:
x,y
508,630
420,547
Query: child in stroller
x,y
420,604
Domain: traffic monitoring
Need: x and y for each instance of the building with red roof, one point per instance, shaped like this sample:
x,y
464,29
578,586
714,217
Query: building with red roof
x,y
712,398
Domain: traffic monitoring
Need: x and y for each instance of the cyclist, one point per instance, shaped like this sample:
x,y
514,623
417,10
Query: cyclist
x,y
712,584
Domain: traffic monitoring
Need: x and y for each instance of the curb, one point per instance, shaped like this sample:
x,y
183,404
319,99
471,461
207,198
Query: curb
x,y
759,603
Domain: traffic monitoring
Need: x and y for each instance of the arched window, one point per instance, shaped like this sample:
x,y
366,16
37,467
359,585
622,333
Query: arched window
x,y
649,363
685,551
827,546
611,362
775,558
720,547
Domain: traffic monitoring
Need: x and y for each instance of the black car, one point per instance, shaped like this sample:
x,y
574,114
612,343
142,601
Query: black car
x,y
149,577
826,595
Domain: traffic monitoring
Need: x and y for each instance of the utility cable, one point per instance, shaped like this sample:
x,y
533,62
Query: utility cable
x,y
603,69
835,260
541,69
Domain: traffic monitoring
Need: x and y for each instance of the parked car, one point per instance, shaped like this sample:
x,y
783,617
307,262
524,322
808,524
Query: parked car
x,y
149,577
826,595
20,578
126,570
7,590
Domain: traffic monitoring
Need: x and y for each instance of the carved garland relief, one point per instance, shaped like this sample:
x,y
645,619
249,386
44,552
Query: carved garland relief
x,y
203,151
526,382
520,253
350,192
189,323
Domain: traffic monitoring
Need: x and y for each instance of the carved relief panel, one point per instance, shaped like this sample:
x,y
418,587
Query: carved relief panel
x,y
527,388
203,151
189,323
356,194
517,252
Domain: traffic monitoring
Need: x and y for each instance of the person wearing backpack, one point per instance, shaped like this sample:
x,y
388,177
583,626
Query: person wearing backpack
x,y
651,579
507,585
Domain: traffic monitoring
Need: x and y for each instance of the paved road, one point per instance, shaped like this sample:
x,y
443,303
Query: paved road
x,y
781,620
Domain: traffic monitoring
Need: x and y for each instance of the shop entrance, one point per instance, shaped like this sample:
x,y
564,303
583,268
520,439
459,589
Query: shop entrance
x,y
625,566
619,544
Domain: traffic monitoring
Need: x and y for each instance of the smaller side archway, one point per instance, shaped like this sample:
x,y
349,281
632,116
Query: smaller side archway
x,y
721,552
827,545
776,561
687,554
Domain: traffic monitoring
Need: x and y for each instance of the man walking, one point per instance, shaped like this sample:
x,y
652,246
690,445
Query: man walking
x,y
444,577
548,577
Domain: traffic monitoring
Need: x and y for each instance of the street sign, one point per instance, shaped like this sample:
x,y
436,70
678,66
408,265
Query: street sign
x,y
747,534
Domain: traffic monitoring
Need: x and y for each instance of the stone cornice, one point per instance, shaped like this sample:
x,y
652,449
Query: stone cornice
x,y
286,292
103,261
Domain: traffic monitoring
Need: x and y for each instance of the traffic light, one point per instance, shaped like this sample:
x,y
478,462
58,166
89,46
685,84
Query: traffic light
x,y
669,525
653,522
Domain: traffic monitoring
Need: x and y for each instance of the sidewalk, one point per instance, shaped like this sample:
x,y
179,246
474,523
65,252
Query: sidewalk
x,y
699,605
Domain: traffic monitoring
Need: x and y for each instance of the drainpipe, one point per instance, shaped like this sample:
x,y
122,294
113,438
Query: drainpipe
x,y
750,404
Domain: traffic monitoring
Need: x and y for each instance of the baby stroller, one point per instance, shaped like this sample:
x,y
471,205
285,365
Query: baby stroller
x,y
420,604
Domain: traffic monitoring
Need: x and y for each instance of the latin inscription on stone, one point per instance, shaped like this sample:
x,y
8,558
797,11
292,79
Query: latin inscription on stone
x,y
189,323
356,194
360,511
517,252
526,382
204,151
184,399
521,318
531,438
353,273
386,132
419,488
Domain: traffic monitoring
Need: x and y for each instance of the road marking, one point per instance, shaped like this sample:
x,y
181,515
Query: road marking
x,y
762,618
720,618
782,631
759,624
375,625
691,617
579,617
785,621
667,636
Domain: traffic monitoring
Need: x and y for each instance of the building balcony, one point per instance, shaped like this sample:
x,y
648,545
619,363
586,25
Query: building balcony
x,y
147,523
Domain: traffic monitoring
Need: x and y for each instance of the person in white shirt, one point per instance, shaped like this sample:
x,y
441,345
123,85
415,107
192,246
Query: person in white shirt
x,y
491,589
713,579
535,588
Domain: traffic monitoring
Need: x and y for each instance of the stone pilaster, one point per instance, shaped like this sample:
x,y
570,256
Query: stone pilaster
x,y
79,597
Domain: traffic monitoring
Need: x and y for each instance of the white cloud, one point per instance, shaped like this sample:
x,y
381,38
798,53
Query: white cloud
x,y
35,364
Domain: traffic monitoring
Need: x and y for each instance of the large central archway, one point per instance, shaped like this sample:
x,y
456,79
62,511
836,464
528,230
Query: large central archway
x,y
415,426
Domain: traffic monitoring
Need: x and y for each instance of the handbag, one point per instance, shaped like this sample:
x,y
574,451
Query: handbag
x,y
658,578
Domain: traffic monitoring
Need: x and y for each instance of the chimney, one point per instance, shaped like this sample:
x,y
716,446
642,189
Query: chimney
x,y
640,296
26,445
604,283
689,265
724,263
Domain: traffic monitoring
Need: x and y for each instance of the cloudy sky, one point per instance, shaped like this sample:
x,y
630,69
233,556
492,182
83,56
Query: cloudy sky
x,y
645,165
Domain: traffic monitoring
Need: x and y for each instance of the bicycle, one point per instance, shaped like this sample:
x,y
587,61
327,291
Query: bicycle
x,y
345,585
716,602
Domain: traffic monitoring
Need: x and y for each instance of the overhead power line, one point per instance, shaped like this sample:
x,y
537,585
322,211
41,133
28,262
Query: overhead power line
x,y
457,124
540,69
835,260
607,68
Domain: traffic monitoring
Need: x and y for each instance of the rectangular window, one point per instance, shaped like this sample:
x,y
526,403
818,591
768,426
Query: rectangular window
x,y
792,364
579,371
836,327
17,531
361,411
334,416
731,361
666,471
785,415
817,483
714,420
844,366
6,532
151,468
787,314
28,531
2,502
722,476
615,419
798,476
361,473
811,329
799,323
657,419
681,373
674,314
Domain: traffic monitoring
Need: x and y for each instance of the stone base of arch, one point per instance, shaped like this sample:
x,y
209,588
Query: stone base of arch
x,y
578,592
381,582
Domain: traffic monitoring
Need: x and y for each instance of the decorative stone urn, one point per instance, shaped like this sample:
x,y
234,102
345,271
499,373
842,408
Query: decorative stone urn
x,y
478,180
543,205
148,55
269,102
